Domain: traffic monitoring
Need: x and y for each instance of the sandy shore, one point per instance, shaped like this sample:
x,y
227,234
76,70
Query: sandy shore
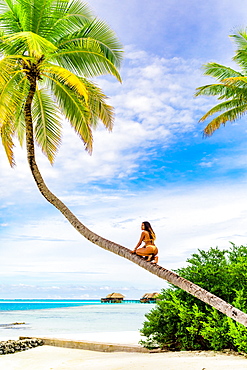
x,y
56,358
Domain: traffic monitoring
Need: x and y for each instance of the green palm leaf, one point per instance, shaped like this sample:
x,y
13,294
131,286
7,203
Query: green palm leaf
x,y
6,133
47,124
9,18
53,18
13,91
19,123
75,110
36,16
219,71
102,35
222,90
98,107
11,96
29,41
231,115
68,16
87,59
65,77
81,115
232,88
225,106
240,58
5,5
239,82
240,38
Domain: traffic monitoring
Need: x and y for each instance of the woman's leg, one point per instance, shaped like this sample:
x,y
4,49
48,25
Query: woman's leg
x,y
145,251
150,252
155,260
153,257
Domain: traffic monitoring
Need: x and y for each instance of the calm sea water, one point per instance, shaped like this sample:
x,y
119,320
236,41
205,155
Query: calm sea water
x,y
33,304
51,317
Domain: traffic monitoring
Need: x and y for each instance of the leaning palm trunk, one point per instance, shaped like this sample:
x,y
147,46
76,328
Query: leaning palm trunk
x,y
159,271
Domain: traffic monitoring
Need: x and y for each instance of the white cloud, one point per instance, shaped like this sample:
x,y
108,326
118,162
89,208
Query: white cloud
x,y
184,220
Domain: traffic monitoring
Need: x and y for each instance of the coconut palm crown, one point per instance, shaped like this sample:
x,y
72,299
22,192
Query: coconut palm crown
x,y
49,50
231,88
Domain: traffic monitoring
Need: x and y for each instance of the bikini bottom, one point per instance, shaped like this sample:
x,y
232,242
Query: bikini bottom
x,y
155,249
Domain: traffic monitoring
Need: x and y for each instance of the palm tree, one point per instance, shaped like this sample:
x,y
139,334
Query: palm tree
x,y
49,50
231,88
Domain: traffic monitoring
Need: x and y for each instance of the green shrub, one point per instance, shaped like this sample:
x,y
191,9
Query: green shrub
x,y
180,321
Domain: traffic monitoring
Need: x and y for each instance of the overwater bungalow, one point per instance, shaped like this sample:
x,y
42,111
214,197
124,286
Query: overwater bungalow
x,y
149,298
113,298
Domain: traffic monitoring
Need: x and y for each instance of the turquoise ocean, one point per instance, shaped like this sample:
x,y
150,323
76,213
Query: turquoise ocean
x,y
41,317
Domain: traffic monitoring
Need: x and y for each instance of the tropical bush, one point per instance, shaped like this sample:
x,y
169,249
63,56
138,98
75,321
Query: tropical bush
x,y
180,321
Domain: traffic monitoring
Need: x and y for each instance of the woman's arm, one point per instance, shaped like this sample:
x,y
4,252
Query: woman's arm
x,y
140,241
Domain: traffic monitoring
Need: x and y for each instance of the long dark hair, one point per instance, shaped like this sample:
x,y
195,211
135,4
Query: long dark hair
x,y
149,229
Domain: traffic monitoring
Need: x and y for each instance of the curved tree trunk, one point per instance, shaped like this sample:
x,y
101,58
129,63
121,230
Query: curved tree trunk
x,y
157,270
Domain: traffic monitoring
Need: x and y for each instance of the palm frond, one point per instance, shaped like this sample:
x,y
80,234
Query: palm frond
x,y
98,107
68,17
230,115
42,19
43,16
101,34
36,15
5,5
47,124
7,67
11,95
219,71
240,59
9,17
224,91
240,82
75,110
65,77
240,38
26,12
78,8
234,103
86,58
31,42
15,63
6,133
13,91
19,121
232,88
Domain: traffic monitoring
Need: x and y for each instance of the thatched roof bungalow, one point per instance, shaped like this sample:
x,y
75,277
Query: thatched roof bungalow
x,y
149,298
113,298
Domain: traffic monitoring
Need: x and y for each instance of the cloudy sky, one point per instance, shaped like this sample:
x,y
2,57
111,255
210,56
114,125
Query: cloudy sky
x,y
154,166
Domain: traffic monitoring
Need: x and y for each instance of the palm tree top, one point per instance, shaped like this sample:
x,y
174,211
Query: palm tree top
x,y
58,29
230,88
58,45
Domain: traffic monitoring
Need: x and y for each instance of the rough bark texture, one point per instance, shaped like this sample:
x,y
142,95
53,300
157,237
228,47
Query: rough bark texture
x,y
157,270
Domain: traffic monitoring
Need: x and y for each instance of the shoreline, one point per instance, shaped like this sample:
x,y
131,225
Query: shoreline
x,y
60,358
116,337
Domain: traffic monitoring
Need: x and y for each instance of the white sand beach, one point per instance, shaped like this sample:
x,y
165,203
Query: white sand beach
x,y
57,358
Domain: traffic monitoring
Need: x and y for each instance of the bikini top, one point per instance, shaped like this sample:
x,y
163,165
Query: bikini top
x,y
149,240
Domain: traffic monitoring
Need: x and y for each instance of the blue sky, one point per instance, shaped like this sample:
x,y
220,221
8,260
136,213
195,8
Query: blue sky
x,y
154,166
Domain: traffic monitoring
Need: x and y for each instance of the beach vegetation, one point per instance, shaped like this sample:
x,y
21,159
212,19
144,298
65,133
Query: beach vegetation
x,y
180,321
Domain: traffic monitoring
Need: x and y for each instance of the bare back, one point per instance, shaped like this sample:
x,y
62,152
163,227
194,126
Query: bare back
x,y
146,238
